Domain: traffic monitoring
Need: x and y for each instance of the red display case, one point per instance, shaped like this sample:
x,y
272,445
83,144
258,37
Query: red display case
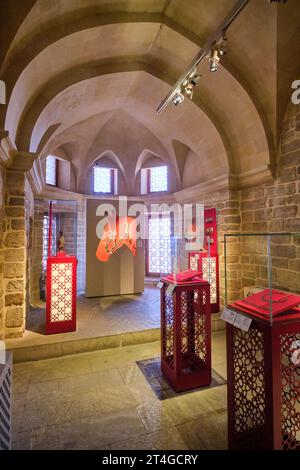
x,y
263,373
186,333
61,294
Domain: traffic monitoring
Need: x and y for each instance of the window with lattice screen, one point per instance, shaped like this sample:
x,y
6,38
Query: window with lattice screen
x,y
159,245
158,179
105,180
51,170
154,180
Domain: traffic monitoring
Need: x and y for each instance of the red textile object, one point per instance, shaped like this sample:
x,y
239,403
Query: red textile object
x,y
114,237
185,276
61,294
259,303
263,379
186,333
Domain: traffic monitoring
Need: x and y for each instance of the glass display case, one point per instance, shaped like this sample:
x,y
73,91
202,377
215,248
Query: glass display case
x,y
262,273
62,219
262,287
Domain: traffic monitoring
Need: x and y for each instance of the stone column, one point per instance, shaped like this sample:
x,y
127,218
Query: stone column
x,y
15,244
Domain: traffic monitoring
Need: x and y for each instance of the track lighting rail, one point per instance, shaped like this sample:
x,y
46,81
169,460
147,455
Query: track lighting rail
x,y
206,49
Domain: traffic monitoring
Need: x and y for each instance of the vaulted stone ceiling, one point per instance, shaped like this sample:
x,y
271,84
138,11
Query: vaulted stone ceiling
x,y
75,66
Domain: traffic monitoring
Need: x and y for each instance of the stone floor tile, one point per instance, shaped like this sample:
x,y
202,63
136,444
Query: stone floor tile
x,y
88,433
168,439
207,432
131,373
154,415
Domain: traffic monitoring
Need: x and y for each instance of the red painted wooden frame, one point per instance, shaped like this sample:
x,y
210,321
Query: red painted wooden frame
x,y
215,288
264,385
186,335
58,326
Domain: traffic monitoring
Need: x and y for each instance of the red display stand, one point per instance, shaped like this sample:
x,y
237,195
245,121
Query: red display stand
x,y
61,294
186,333
209,266
264,383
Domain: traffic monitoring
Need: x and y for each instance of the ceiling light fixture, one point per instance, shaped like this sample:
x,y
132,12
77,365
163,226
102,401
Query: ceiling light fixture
x,y
214,60
178,98
214,39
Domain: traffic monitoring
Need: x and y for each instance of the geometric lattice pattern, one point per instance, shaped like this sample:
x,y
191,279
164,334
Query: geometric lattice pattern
x,y
168,328
194,261
249,388
159,246
209,273
186,345
102,180
61,292
290,391
51,173
5,405
193,337
158,179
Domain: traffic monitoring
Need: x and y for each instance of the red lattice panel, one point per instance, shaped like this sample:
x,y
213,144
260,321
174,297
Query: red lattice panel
x,y
61,294
263,367
167,326
290,391
248,388
193,338
186,342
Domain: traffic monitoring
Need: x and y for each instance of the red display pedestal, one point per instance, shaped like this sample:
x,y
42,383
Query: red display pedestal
x,y
61,294
186,333
264,384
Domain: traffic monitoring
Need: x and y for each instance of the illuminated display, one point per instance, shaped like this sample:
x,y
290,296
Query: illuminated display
x,y
114,237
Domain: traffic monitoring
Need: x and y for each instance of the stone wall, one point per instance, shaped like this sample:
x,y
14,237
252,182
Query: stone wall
x,y
275,207
227,204
15,254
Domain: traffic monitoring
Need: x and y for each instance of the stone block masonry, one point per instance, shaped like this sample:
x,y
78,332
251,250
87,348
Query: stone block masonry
x,y
15,255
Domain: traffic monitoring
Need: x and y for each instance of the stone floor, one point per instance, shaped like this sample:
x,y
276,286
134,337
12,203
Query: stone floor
x,y
99,316
101,400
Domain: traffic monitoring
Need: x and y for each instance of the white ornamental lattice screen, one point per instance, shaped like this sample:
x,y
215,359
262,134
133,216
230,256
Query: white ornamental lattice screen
x,y
61,292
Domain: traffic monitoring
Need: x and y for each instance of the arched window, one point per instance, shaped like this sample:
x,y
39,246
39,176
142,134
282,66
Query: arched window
x,y
105,180
154,179
51,170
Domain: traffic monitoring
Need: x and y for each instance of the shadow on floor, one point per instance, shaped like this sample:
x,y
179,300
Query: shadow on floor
x,y
152,372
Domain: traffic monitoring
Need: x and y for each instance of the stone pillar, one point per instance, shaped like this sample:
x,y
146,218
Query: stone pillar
x,y
15,245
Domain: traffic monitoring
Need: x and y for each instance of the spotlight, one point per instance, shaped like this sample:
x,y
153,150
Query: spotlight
x,y
178,98
214,60
189,90
223,46
194,77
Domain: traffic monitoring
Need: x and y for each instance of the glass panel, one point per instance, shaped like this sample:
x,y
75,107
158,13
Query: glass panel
x,y
160,260
102,180
51,170
158,179
65,215
262,273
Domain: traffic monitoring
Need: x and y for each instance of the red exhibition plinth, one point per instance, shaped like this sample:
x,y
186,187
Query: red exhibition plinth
x,y
186,333
61,294
263,373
